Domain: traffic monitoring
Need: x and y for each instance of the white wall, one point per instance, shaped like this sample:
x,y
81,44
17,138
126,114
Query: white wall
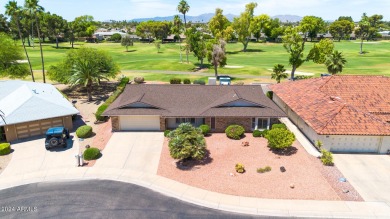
x,y
385,144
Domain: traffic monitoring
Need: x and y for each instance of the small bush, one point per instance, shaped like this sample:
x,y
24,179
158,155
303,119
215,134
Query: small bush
x,y
201,82
166,133
264,170
270,94
91,154
240,168
327,158
264,133
318,144
234,131
139,80
84,131
280,138
279,126
257,133
100,111
175,81
205,129
5,148
186,81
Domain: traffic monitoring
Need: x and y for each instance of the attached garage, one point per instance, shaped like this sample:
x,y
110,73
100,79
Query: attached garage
x,y
355,144
139,123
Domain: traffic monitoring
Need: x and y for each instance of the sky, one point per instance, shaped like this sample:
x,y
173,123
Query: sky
x,y
103,10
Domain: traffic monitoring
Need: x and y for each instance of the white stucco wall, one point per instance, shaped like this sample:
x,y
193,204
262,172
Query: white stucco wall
x,y
385,144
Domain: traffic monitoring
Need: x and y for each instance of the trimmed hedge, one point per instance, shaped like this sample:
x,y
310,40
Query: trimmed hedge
x,y
257,133
186,81
175,81
279,126
205,129
119,89
92,154
201,82
84,131
166,133
234,131
5,148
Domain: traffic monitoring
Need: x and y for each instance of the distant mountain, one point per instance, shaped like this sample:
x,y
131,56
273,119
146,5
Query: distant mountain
x,y
288,18
204,18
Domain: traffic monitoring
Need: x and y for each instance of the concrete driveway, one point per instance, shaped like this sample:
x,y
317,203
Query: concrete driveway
x,y
133,150
369,174
31,156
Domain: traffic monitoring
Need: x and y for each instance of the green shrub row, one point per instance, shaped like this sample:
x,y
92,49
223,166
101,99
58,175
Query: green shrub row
x,y
186,81
234,131
257,133
5,148
175,81
91,154
201,82
119,89
279,126
264,170
84,131
205,129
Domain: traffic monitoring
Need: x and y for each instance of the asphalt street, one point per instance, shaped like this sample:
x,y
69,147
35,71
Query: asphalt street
x,y
98,199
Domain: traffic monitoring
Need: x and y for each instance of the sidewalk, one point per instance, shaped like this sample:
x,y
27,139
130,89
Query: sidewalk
x,y
238,204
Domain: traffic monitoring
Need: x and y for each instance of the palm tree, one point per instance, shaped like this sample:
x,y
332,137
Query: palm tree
x,y
279,73
335,62
34,9
13,10
183,8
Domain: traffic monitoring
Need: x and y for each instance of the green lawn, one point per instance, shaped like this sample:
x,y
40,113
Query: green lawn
x,y
257,61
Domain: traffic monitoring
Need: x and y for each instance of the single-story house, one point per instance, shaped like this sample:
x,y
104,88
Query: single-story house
x,y
160,107
346,113
29,109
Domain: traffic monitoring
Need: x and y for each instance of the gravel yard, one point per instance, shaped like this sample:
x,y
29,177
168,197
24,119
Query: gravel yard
x,y
310,179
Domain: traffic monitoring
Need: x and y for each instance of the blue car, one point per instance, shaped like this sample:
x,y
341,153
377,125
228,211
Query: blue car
x,y
56,137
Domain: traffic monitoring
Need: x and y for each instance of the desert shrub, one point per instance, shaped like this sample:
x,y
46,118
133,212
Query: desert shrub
x,y
139,80
279,126
280,138
270,94
264,170
166,133
175,81
186,81
201,82
187,142
84,131
257,133
5,148
205,129
234,131
327,158
240,168
264,133
318,144
91,154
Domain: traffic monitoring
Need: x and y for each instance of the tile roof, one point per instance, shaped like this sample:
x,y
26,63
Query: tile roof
x,y
23,101
194,101
340,105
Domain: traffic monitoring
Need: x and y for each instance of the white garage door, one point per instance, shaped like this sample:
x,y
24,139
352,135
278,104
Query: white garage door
x,y
139,123
359,144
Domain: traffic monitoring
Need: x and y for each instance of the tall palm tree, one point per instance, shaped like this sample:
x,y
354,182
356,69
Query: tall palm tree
x,y
279,73
34,10
183,8
335,62
13,10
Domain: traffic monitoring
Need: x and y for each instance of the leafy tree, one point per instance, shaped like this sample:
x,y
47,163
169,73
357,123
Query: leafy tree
x,y
187,142
34,10
10,53
197,44
363,30
13,10
341,28
280,139
183,8
55,25
4,24
177,29
274,29
116,37
218,25
84,66
279,73
242,24
294,45
83,26
157,44
320,51
311,26
345,18
375,23
217,57
127,41
335,62
259,24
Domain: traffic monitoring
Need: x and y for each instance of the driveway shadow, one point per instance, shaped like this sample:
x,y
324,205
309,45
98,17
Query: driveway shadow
x,y
69,146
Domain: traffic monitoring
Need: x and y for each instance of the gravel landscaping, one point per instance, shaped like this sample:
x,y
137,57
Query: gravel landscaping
x,y
305,176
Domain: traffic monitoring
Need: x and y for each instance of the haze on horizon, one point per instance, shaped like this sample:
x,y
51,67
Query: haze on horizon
x,y
130,9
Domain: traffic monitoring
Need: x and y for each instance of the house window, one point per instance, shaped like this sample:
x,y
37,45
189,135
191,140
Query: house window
x,y
212,123
260,123
183,120
253,123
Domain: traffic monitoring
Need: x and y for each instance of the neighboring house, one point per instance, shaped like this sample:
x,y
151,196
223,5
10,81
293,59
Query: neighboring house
x,y
161,107
105,35
31,108
347,113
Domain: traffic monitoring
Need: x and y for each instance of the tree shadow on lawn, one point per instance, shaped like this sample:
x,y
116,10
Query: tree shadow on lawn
x,y
63,47
133,50
191,164
241,51
285,152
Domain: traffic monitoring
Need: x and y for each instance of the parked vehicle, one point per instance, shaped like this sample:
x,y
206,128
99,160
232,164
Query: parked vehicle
x,y
224,80
56,137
